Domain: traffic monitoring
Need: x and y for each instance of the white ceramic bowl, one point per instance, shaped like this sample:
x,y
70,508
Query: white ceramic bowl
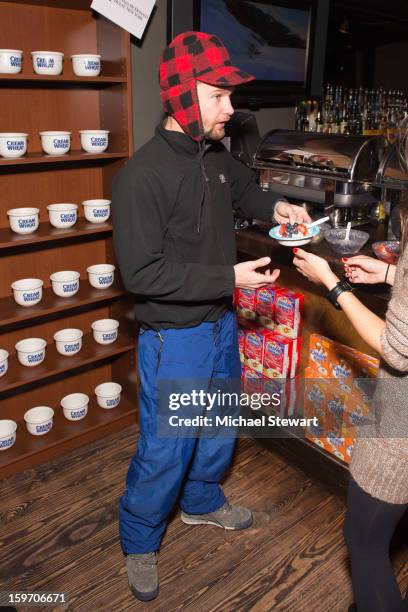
x,y
295,240
55,143
101,276
7,433
24,220
108,395
94,141
31,352
27,291
11,61
39,420
68,341
47,62
75,406
13,144
65,283
105,331
96,211
62,215
3,362
85,64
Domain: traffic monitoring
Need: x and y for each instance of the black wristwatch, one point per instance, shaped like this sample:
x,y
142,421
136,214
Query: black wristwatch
x,y
341,286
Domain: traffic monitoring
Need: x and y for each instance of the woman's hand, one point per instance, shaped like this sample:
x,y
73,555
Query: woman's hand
x,y
290,213
314,268
367,270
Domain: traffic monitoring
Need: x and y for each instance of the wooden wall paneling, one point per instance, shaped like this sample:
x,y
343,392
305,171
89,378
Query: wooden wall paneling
x,y
52,307
65,435
49,260
14,406
109,171
114,46
56,366
114,117
33,110
46,328
42,26
124,372
39,187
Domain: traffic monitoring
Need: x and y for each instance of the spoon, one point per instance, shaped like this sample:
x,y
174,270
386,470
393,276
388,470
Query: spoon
x,y
318,222
348,230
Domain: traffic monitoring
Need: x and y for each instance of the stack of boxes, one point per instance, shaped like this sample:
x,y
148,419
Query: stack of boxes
x,y
337,391
269,343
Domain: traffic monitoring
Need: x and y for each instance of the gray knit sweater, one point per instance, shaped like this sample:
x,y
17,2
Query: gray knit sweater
x,y
379,464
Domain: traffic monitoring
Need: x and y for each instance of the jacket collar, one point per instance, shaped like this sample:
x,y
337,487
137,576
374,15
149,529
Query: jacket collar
x,y
180,142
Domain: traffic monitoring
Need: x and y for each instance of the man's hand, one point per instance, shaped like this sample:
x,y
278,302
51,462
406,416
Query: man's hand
x,y
285,212
246,276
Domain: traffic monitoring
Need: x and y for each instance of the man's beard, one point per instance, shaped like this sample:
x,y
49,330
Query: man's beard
x,y
213,134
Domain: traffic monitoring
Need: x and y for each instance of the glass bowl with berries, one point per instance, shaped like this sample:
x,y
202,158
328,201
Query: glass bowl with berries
x,y
388,251
294,234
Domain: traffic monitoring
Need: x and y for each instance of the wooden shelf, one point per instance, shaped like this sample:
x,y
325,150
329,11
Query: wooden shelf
x,y
47,233
62,79
11,312
30,449
32,103
73,156
18,375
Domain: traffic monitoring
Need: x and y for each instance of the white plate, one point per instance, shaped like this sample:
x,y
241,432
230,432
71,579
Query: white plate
x,y
293,242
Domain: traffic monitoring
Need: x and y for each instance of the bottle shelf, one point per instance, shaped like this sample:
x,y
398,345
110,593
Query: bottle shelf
x,y
11,312
18,376
64,432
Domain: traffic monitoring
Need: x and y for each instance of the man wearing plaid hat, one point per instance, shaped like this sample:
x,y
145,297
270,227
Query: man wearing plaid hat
x,y
173,206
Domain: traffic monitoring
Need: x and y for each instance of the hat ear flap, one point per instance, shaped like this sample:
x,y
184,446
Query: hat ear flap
x,y
181,102
194,88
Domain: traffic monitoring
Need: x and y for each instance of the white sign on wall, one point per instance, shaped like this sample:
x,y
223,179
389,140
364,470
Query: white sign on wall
x,y
131,15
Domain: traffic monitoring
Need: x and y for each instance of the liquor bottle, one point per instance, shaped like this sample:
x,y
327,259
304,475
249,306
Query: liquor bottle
x,y
391,126
368,123
298,118
344,126
319,123
329,122
312,109
306,124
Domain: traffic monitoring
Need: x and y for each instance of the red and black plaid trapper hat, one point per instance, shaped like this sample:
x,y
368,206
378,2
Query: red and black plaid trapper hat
x,y
192,57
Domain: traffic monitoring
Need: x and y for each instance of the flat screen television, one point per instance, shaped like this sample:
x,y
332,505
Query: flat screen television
x,y
280,42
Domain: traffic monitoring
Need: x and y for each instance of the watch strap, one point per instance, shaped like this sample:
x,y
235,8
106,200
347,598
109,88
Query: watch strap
x,y
338,289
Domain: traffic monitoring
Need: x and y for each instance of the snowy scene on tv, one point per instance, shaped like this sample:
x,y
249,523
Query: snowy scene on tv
x,y
269,41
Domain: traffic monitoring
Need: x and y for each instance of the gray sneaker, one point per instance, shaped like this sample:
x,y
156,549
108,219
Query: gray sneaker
x,y
143,576
229,517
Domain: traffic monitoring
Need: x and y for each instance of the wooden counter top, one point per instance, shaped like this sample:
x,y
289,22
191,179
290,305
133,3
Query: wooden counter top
x,y
319,315
256,242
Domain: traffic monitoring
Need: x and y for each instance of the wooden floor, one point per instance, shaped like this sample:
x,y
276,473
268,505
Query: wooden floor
x,y
59,532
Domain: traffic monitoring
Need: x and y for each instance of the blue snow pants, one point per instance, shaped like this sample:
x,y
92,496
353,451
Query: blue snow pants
x,y
165,470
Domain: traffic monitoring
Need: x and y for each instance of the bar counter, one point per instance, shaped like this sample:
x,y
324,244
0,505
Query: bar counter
x,y
321,317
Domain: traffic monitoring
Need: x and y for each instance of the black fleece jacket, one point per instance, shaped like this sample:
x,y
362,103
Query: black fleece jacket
x,y
173,228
